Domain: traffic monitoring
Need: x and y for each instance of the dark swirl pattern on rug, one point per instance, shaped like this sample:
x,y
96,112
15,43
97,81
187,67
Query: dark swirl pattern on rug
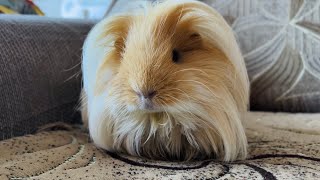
x,y
275,152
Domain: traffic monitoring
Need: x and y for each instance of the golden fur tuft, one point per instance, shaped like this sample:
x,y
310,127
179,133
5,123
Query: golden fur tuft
x,y
198,102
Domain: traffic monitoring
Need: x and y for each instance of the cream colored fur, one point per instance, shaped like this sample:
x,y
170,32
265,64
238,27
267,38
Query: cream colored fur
x,y
196,111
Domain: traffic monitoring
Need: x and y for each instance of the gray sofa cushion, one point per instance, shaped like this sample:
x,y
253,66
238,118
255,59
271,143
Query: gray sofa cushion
x,y
39,77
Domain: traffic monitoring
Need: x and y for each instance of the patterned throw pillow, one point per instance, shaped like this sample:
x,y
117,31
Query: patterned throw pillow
x,y
280,41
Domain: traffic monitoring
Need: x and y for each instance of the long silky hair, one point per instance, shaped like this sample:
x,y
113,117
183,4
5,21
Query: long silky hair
x,y
187,54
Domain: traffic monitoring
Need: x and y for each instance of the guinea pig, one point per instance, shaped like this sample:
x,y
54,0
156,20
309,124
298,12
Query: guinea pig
x,y
167,83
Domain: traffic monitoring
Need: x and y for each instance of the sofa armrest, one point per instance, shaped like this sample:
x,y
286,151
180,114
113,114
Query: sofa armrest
x,y
40,76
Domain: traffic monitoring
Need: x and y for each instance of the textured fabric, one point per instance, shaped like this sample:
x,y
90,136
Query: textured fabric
x,y
280,41
278,150
39,61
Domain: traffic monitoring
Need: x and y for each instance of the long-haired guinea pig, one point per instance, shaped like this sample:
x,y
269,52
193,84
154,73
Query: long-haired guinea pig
x,y
168,83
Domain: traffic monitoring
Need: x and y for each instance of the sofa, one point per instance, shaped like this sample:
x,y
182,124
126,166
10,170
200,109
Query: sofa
x,y
40,82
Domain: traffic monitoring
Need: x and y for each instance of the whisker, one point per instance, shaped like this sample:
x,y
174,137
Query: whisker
x,y
191,69
195,116
72,67
185,107
198,83
162,102
74,75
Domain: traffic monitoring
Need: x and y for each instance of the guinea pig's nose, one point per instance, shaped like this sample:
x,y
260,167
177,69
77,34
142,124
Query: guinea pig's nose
x,y
147,94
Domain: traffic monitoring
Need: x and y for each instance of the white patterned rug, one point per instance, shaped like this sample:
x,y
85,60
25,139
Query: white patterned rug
x,y
275,152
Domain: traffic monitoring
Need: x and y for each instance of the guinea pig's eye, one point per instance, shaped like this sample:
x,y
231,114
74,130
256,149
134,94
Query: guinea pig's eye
x,y
176,56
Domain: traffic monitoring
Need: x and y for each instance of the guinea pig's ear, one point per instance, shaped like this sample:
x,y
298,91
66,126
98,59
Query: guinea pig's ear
x,y
119,44
186,40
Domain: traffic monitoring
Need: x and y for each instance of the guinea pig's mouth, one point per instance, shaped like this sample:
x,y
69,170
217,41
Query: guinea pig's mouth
x,y
145,109
149,108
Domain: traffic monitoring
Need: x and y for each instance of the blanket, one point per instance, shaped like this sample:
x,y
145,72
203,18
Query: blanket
x,y
281,146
